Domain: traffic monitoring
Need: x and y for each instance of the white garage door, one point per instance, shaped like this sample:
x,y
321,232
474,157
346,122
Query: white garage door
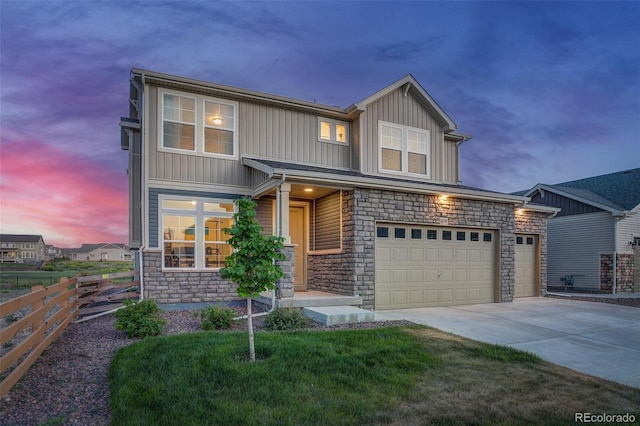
x,y
526,265
419,266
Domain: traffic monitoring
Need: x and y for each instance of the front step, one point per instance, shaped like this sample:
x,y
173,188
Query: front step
x,y
310,298
333,315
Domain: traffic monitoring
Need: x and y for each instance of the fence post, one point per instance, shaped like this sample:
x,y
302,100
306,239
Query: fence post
x,y
34,307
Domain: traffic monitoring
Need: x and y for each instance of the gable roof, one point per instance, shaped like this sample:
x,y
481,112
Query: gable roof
x,y
20,238
409,83
614,192
87,248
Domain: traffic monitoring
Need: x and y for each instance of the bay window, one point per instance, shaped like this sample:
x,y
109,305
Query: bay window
x,y
403,149
192,232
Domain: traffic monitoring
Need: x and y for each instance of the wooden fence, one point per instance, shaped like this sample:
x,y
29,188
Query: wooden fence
x,y
34,320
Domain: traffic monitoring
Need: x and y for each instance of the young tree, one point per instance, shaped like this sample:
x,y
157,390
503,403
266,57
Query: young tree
x,y
252,263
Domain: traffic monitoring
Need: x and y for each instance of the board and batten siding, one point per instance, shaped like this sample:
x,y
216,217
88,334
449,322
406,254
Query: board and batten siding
x,y
569,207
406,111
263,131
574,246
450,160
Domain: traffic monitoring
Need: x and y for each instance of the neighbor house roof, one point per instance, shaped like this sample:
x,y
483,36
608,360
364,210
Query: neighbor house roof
x,y
86,248
615,192
20,238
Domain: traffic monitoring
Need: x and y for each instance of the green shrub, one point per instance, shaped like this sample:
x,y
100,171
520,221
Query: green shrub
x,y
140,319
286,319
217,318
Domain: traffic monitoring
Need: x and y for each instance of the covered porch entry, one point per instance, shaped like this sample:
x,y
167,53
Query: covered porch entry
x,y
306,211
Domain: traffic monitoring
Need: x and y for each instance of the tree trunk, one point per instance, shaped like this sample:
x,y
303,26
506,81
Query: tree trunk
x,y
252,349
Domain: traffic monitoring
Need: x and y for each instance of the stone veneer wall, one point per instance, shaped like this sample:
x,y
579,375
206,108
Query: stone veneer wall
x,y
624,267
528,222
198,286
352,272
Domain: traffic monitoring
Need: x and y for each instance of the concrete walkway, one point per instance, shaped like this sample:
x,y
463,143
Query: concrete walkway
x,y
599,339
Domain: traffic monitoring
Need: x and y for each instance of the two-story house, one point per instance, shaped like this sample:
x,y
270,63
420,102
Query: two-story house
x,y
21,248
368,197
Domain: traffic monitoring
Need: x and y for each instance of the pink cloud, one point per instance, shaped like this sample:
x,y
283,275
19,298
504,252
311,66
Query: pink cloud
x,y
66,198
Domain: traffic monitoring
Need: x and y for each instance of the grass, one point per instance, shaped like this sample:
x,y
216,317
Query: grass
x,y
410,375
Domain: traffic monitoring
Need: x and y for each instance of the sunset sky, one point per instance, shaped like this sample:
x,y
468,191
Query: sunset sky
x,y
550,91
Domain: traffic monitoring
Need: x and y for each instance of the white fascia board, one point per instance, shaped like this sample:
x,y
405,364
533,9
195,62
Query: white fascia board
x,y
405,187
199,187
258,166
574,197
538,208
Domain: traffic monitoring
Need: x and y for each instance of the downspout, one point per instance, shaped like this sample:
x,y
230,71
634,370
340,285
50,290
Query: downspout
x,y
142,184
464,139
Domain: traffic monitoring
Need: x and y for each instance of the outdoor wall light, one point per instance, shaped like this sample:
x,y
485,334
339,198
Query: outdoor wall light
x,y
444,197
308,190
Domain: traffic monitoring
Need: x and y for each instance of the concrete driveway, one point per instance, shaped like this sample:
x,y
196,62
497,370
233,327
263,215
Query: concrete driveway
x,y
599,339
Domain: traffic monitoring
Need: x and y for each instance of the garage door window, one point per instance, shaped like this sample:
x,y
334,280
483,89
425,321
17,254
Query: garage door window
x,y
446,235
475,236
529,241
487,237
518,240
461,236
416,234
382,232
432,234
400,233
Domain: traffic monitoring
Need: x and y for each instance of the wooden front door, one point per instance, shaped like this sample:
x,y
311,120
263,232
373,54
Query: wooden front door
x,y
298,237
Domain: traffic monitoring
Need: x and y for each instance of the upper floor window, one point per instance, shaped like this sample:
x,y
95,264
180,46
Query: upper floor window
x,y
198,124
333,130
404,149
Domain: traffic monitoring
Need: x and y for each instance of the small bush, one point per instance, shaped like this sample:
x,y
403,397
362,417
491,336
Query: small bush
x,y
140,319
217,318
286,319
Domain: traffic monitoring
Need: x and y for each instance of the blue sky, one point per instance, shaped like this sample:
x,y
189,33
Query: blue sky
x,y
550,91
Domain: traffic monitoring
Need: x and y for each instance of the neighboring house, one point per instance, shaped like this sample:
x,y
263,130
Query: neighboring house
x,y
21,248
99,252
52,252
368,198
596,232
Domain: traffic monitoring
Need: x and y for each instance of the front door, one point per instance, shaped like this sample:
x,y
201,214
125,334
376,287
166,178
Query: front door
x,y
298,237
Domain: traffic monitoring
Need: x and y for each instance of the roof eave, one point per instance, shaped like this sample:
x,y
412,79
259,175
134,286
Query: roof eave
x,y
549,188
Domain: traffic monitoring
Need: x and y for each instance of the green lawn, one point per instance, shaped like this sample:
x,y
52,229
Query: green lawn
x,y
410,375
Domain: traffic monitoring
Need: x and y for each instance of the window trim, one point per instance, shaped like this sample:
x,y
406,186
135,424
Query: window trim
x,y
200,214
404,159
333,124
199,125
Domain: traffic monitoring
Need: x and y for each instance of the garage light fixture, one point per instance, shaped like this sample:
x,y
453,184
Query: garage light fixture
x,y
443,197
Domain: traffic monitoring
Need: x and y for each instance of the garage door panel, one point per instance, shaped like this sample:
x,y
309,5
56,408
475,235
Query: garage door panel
x,y
416,272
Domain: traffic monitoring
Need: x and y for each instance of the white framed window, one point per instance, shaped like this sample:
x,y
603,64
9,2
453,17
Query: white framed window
x,y
404,150
27,255
333,131
196,124
28,246
192,233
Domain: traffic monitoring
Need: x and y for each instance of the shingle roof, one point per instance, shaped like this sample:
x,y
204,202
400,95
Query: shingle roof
x,y
20,238
620,190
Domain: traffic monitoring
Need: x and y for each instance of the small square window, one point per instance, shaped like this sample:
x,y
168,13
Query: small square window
x,y
446,235
383,232
475,236
432,234
416,234
487,237
518,240
461,236
529,241
399,232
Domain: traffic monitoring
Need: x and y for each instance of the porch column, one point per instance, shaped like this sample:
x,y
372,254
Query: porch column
x,y
285,188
